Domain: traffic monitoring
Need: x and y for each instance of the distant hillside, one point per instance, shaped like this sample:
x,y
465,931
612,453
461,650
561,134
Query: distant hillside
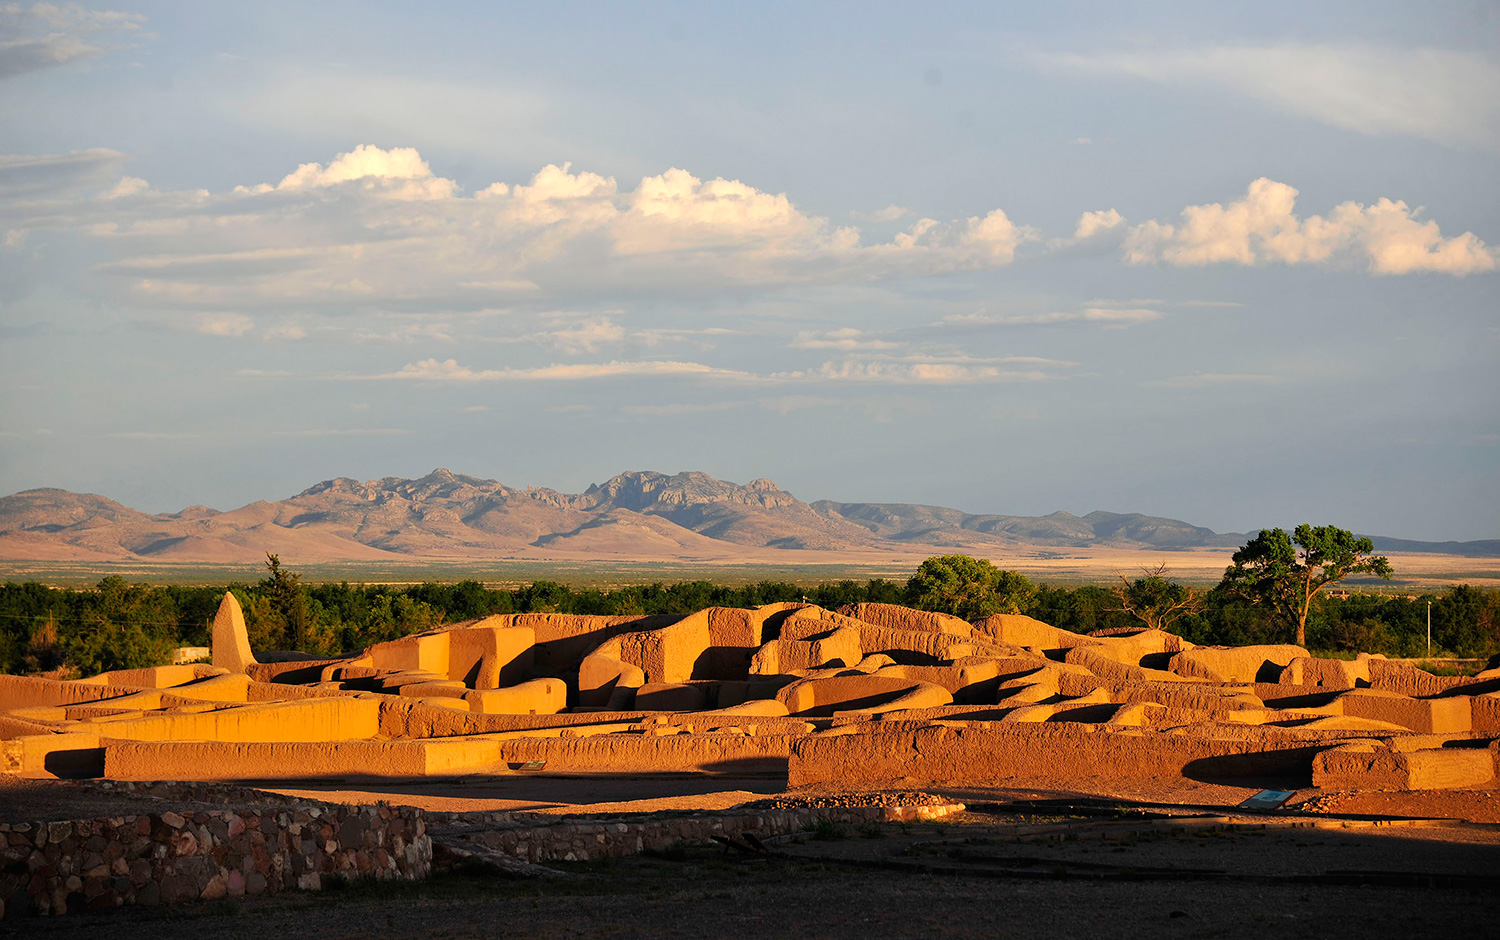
x,y
637,515
1481,548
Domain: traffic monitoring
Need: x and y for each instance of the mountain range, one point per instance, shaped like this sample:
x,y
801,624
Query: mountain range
x,y
639,515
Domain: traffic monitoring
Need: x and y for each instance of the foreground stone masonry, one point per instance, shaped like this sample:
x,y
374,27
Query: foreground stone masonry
x,y
54,867
872,694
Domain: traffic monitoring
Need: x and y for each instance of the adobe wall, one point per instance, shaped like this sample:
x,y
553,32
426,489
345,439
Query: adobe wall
x,y
153,677
413,719
805,645
1404,679
734,634
605,679
614,838
1020,630
664,750
1435,715
931,647
221,760
824,695
1056,753
166,858
1235,663
323,719
32,692
896,617
562,640
1368,765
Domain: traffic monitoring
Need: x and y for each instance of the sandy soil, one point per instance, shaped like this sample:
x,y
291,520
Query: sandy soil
x,y
557,794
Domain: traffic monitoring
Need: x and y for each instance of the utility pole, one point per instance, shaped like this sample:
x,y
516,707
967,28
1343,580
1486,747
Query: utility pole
x,y
1429,629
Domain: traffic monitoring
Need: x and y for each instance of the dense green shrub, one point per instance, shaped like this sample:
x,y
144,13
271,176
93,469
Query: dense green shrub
x,y
118,625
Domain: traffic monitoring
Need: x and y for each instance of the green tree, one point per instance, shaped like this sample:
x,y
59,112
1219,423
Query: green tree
x,y
1287,572
1156,600
284,590
967,587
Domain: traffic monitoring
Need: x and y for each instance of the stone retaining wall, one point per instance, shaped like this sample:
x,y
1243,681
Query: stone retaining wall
x,y
167,858
613,838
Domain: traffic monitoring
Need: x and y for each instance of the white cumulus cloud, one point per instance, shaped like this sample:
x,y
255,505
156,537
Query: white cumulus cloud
x,y
373,166
1263,228
376,223
1094,223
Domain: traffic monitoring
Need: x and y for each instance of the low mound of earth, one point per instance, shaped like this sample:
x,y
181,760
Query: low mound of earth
x,y
1472,805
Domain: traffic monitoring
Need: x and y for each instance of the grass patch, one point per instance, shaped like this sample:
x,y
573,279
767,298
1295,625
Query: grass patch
x,y
826,830
676,852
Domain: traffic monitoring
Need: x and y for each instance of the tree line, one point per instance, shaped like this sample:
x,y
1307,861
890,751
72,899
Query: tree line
x,y
118,625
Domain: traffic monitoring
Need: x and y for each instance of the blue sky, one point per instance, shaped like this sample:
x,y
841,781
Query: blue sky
x,y
1233,266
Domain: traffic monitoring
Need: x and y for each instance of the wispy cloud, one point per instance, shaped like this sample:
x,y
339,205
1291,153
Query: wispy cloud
x,y
1443,95
906,370
1104,316
62,173
46,35
890,213
587,337
681,408
225,324
285,331
343,432
433,370
846,338
1208,379
151,435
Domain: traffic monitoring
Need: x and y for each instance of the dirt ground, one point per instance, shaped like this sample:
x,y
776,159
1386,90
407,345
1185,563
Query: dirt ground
x,y
1159,860
821,889
26,800
572,794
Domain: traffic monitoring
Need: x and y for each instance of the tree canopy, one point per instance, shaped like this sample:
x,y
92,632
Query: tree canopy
x,y
287,600
1287,572
1156,600
967,587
